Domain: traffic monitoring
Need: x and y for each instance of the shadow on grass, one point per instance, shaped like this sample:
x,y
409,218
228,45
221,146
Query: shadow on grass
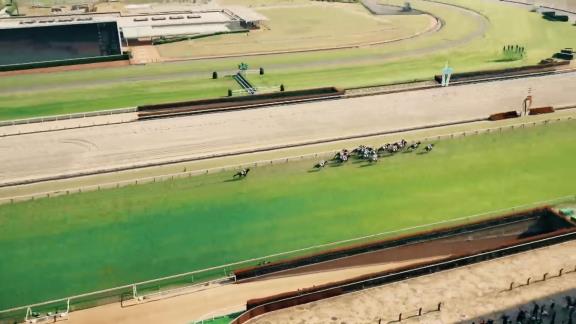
x,y
506,59
553,19
234,179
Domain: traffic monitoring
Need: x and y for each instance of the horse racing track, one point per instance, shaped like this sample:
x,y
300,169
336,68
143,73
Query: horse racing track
x,y
57,247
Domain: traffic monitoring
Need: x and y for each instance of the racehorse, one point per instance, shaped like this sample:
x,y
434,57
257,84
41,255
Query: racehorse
x,y
320,164
242,173
342,156
402,144
384,148
429,148
414,146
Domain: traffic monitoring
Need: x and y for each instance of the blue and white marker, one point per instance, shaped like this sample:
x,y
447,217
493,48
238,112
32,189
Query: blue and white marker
x,y
446,74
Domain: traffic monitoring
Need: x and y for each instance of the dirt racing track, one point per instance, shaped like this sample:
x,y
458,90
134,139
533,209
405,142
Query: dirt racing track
x,y
104,148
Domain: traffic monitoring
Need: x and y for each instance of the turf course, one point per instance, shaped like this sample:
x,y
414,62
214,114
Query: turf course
x,y
67,245
58,93
304,27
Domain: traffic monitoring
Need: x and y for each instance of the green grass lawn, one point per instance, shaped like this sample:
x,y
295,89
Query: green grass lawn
x,y
78,91
73,244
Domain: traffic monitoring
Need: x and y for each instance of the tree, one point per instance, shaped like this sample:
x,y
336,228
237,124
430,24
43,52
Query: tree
x,y
282,87
214,75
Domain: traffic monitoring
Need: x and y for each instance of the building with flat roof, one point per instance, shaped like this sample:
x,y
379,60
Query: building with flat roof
x,y
26,40
154,25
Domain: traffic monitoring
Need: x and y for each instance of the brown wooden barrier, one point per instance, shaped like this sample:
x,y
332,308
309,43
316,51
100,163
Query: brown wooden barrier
x,y
256,307
241,102
333,254
545,67
504,115
541,110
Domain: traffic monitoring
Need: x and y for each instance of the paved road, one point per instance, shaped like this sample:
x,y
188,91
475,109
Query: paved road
x,y
96,148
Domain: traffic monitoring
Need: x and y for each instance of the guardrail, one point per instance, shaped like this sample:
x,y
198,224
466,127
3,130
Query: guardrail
x,y
68,116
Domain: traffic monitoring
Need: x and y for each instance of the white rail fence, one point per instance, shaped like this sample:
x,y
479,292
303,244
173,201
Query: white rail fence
x,y
188,174
68,116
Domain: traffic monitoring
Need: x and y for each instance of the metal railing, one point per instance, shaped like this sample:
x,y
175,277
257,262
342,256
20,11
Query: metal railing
x,y
68,116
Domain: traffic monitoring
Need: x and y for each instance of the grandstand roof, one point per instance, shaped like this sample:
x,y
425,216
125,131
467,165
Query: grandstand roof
x,y
43,21
149,24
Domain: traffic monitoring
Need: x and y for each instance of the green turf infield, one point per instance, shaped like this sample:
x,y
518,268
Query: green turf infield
x,y
80,91
73,244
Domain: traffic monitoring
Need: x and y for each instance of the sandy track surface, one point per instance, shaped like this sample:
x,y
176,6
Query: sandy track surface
x,y
72,184
62,124
63,152
219,300
466,293
145,54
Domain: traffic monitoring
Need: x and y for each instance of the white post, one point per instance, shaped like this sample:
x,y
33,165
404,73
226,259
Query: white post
x,y
134,292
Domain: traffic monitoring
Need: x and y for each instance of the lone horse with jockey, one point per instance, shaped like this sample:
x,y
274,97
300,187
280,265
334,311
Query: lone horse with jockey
x,y
242,173
321,164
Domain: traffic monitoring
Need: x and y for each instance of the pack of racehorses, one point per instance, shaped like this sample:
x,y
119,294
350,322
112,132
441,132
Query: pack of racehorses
x,y
362,152
372,154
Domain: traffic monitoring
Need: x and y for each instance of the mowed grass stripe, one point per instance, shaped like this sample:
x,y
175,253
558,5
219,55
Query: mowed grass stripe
x,y
68,245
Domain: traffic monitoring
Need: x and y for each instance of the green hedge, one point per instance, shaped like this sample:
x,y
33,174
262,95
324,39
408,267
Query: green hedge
x,y
45,64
